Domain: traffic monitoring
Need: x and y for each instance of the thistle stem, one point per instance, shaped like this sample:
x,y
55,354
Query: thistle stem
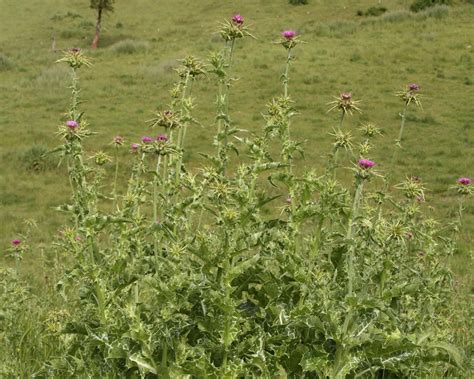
x,y
116,177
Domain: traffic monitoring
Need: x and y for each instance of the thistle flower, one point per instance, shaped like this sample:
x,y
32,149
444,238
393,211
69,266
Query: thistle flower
x,y
16,242
147,139
410,94
464,181
369,130
134,147
75,58
71,124
118,141
366,163
345,103
464,186
238,19
167,119
288,34
162,138
289,39
234,29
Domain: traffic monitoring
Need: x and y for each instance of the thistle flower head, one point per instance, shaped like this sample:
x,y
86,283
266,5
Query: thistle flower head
x,y
234,29
134,147
288,34
147,139
118,141
16,242
345,103
192,67
237,19
369,130
100,158
162,138
74,58
289,39
410,94
167,119
464,186
464,181
72,125
413,188
366,163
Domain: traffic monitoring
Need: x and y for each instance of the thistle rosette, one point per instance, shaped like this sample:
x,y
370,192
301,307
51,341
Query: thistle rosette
x,y
345,103
75,58
410,95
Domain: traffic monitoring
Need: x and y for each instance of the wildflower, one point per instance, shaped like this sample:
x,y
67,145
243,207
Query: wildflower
x,y
162,138
147,139
118,141
410,94
289,200
16,242
345,103
238,19
366,163
78,238
288,34
464,181
134,147
464,187
75,58
71,124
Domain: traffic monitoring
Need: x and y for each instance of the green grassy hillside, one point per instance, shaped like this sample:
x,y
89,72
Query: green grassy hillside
x,y
373,57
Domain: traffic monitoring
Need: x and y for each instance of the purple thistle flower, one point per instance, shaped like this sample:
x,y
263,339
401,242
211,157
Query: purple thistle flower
x,y
413,87
162,138
78,238
238,19
366,163
75,50
346,96
288,34
16,243
71,124
134,147
147,139
118,140
464,181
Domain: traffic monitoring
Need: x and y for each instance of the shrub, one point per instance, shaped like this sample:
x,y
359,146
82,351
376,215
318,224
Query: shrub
x,y
37,159
298,2
372,11
419,5
5,62
130,46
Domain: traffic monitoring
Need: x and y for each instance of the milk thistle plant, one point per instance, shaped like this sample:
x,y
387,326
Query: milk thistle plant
x,y
242,268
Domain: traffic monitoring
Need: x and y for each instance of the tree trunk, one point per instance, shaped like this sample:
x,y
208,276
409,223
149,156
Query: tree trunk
x,y
95,41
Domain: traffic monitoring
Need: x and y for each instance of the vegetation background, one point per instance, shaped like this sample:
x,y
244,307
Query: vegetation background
x,y
372,57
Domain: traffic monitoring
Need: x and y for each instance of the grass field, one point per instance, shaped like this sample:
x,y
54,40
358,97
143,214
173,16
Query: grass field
x,y
373,57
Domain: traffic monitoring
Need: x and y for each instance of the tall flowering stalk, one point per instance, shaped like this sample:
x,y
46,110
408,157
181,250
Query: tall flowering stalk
x,y
464,188
222,63
347,106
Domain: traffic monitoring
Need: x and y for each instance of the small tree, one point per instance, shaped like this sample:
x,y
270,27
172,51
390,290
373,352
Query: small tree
x,y
101,6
